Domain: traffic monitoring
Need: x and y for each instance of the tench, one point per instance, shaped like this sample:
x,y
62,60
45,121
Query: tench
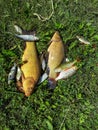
x,y
31,68
55,57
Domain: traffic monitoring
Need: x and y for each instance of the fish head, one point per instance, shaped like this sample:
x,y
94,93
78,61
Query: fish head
x,y
28,86
56,36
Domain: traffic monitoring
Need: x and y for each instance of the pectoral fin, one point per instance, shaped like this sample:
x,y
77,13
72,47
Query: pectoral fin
x,y
51,83
42,78
20,86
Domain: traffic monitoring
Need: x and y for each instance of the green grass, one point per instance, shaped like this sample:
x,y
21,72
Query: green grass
x,y
74,103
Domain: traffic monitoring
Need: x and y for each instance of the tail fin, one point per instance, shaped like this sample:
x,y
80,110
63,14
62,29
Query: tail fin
x,y
51,83
18,29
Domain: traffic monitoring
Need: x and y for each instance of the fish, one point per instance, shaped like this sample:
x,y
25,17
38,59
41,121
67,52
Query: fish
x,y
65,66
83,40
42,78
30,68
27,37
18,74
12,74
43,60
64,74
56,55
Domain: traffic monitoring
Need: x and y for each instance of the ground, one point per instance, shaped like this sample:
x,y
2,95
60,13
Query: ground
x,y
73,105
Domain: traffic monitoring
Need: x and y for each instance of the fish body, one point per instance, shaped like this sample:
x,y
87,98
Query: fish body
x,y
67,73
30,68
82,40
28,37
12,73
55,57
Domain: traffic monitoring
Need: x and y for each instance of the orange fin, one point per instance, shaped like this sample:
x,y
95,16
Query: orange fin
x,y
19,86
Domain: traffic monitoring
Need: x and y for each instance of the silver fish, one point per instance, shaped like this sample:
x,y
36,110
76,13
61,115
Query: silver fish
x,y
65,66
43,61
67,73
82,40
43,64
27,37
43,77
19,73
12,74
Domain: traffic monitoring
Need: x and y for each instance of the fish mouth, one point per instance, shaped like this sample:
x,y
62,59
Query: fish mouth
x,y
27,94
51,83
27,37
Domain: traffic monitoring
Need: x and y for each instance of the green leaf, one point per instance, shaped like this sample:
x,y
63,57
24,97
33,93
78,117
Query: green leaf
x,y
6,128
96,37
49,124
64,128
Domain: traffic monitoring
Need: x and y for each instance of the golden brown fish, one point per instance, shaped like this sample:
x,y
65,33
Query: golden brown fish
x,y
55,57
31,64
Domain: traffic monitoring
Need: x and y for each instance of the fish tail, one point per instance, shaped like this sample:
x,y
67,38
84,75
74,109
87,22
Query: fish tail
x,y
51,83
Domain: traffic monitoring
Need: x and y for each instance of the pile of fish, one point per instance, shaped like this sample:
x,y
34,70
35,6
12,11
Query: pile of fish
x,y
49,65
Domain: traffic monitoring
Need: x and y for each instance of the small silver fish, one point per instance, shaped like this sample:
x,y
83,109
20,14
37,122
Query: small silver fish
x,y
43,61
43,64
12,74
82,40
43,77
67,73
19,73
27,37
